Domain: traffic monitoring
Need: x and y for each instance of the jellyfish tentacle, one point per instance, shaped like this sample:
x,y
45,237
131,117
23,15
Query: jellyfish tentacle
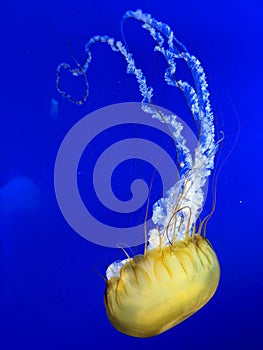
x,y
184,155
198,100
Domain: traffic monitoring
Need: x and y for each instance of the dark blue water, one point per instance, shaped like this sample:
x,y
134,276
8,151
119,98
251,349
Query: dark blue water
x,y
51,291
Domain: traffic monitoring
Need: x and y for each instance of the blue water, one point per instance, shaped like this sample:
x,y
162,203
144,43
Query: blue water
x,y
51,291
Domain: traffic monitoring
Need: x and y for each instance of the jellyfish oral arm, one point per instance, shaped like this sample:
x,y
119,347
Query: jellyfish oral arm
x,y
186,196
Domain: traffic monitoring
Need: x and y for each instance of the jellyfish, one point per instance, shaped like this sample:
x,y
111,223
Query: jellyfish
x,y
179,272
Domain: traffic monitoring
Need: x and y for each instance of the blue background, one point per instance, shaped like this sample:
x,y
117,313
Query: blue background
x,y
50,288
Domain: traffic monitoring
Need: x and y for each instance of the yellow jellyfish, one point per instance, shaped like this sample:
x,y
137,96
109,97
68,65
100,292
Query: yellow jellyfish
x,y
179,270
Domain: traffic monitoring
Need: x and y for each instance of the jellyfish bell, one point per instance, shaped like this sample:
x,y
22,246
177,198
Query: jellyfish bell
x,y
179,270
156,291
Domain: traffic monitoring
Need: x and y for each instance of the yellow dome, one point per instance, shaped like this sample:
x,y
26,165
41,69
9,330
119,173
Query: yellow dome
x,y
160,289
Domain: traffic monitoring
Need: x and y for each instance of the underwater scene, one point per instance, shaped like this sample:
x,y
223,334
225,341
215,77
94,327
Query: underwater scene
x,y
131,175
